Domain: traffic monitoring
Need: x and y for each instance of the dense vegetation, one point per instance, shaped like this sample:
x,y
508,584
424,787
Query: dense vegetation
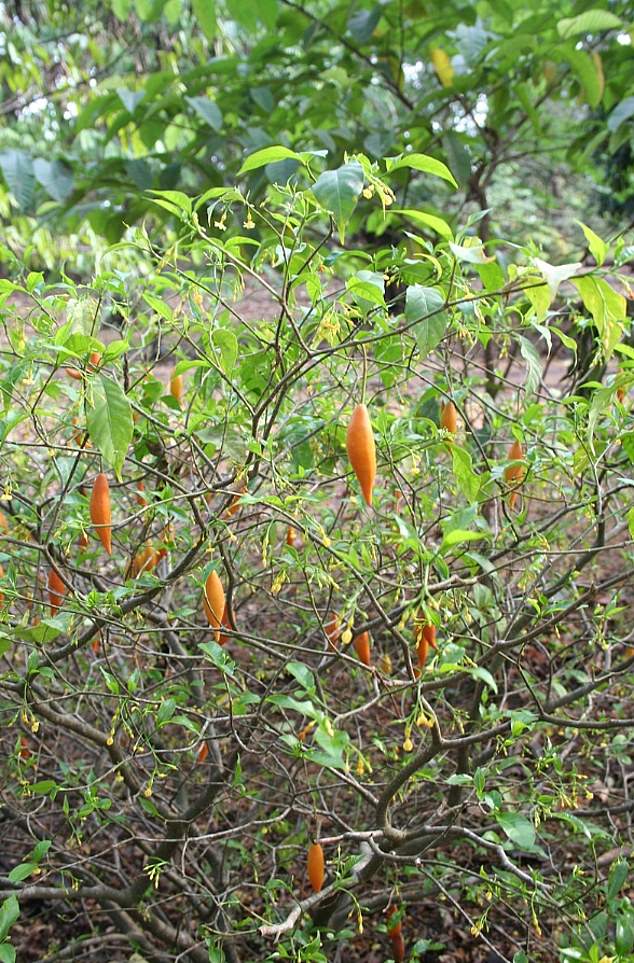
x,y
316,446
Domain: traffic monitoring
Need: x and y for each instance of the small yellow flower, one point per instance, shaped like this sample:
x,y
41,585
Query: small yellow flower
x,y
408,745
346,637
249,223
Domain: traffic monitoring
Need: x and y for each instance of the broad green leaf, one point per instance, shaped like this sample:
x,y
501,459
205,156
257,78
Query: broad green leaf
x,y
458,536
421,162
338,191
268,155
207,109
619,872
479,672
205,14
468,481
44,788
17,170
424,305
368,286
423,220
590,74
458,155
607,307
22,871
621,112
130,98
55,177
518,829
227,344
592,21
7,953
533,364
217,655
9,913
362,24
303,675
109,421
473,253
172,200
598,248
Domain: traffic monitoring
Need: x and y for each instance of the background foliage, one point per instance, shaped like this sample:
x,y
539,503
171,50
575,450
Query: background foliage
x,y
295,209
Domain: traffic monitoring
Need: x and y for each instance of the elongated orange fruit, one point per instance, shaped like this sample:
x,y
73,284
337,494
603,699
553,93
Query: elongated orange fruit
x,y
514,474
177,387
145,560
449,417
225,624
140,497
332,628
100,512
316,866
203,752
362,647
56,590
4,524
362,451
214,602
291,537
234,505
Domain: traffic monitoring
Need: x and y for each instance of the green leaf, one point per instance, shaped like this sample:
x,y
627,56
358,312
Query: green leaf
x,y
423,220
479,672
221,659
205,13
592,21
518,829
619,872
268,155
533,364
589,73
130,98
44,788
338,191
9,912
458,156
424,305
17,169
607,307
420,162
23,871
458,536
468,481
363,23
474,253
172,200
55,177
367,286
206,109
303,675
598,248
622,112
227,344
7,953
109,421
